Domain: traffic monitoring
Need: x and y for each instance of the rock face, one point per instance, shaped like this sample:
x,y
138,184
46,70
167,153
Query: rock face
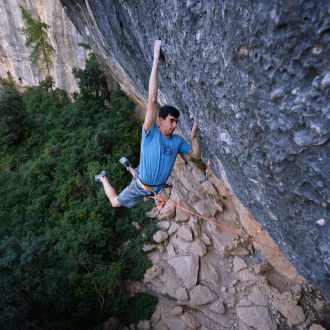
x,y
255,75
221,288
14,55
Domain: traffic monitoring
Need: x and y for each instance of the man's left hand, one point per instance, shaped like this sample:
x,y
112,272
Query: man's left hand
x,y
194,130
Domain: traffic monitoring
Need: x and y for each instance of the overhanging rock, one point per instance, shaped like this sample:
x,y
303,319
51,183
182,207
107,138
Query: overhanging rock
x,y
255,75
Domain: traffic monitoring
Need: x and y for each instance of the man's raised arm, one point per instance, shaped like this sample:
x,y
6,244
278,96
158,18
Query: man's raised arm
x,y
153,90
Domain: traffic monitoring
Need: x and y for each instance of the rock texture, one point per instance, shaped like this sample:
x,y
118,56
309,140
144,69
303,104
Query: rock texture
x,y
14,55
229,290
255,75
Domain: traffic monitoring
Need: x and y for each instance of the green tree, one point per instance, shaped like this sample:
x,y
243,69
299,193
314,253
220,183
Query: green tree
x,y
91,80
13,117
65,256
36,33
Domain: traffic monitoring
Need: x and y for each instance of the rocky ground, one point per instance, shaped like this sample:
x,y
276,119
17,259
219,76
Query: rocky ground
x,y
207,273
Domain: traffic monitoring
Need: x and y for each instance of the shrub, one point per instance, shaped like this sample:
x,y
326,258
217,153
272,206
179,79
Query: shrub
x,y
64,253
140,307
13,117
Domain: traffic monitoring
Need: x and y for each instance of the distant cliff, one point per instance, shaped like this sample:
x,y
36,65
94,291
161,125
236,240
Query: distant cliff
x,y
255,75
64,38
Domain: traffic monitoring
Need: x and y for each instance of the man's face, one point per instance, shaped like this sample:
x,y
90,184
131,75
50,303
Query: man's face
x,y
168,125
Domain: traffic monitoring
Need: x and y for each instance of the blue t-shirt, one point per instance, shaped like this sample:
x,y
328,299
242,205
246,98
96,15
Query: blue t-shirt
x,y
158,154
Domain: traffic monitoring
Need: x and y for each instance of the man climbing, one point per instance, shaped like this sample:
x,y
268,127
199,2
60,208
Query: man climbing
x,y
159,148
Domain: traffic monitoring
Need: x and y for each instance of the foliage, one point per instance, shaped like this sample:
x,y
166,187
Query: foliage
x,y
85,45
13,118
36,33
92,82
65,254
140,307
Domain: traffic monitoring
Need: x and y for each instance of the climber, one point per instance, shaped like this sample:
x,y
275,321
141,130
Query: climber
x,y
159,148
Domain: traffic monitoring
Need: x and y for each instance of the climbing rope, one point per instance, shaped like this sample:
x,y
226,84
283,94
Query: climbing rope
x,y
251,238
161,201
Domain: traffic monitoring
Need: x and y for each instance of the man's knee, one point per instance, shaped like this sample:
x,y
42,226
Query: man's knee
x,y
114,202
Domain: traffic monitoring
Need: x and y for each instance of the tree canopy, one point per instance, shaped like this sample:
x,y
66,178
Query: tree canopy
x,y
65,254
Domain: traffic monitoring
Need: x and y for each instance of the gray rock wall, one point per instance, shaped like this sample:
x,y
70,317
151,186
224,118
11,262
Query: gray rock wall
x,y
14,55
256,76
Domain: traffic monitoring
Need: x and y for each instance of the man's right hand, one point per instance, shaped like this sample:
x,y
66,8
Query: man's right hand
x,y
157,49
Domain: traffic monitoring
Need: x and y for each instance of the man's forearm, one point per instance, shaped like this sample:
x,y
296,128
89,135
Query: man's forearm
x,y
196,149
153,81
153,89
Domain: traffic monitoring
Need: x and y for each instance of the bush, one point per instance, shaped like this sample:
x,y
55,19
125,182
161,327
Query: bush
x,y
65,254
13,117
140,307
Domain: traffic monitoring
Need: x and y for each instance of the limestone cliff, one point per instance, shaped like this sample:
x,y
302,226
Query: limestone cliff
x,y
255,75
14,55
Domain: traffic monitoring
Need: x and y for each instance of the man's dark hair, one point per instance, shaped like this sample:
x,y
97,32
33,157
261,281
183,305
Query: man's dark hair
x,y
168,110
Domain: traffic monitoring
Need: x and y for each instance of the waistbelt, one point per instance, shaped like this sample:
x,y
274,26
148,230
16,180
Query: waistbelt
x,y
156,197
149,185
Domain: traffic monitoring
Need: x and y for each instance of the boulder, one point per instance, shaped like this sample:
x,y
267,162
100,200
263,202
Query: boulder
x,y
291,311
185,233
206,208
258,298
174,322
218,307
160,236
205,239
173,228
201,295
170,251
164,225
190,321
198,248
178,193
153,213
246,275
144,325
181,214
196,228
316,327
209,188
257,317
186,268
209,273
152,273
149,247
181,294
167,212
238,264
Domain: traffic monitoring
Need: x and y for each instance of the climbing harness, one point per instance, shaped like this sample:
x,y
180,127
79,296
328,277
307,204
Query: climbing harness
x,y
160,200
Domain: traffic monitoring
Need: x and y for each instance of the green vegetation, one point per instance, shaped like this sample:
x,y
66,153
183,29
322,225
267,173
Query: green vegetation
x,y
65,254
140,307
36,33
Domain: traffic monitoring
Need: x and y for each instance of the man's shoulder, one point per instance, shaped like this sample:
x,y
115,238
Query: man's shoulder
x,y
152,129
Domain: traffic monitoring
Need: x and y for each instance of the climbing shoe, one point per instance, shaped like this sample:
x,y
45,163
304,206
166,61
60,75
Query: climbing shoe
x,y
98,176
124,161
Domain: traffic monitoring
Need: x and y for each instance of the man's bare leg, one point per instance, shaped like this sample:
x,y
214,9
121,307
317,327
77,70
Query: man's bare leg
x,y
132,171
110,192
124,161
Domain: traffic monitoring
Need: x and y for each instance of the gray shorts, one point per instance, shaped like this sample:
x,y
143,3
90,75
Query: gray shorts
x,y
133,194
